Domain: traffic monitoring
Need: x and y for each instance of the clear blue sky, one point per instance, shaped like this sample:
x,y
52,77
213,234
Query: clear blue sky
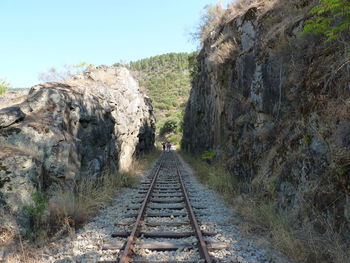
x,y
39,34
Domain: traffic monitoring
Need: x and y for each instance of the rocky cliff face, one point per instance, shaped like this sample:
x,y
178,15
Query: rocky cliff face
x,y
277,106
63,132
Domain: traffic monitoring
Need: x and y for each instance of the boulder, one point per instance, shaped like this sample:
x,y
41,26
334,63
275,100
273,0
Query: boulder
x,y
62,132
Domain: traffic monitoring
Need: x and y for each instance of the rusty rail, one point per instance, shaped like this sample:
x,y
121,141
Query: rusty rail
x,y
203,250
125,258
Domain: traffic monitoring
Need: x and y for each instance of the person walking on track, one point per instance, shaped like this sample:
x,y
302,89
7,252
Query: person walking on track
x,y
168,146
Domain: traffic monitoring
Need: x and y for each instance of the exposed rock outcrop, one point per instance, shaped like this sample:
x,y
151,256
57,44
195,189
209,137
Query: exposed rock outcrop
x,y
85,127
277,104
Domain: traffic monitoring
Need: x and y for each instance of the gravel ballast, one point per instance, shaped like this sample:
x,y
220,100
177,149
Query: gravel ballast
x,y
88,244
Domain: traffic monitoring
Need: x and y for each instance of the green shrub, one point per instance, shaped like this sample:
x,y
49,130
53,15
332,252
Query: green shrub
x,y
174,139
4,86
209,155
168,127
331,18
162,106
36,214
215,175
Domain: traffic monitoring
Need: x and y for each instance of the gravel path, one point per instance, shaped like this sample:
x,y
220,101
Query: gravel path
x,y
213,215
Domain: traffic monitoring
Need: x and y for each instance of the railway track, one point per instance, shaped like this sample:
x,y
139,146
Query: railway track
x,y
162,226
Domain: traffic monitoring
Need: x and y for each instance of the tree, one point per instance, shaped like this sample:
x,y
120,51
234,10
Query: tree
x,y
166,80
331,18
168,127
4,86
121,63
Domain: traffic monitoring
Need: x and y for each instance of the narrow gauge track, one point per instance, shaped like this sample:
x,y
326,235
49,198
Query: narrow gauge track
x,y
165,221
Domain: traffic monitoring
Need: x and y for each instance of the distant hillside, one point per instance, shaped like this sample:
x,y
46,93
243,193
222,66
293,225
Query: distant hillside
x,y
167,81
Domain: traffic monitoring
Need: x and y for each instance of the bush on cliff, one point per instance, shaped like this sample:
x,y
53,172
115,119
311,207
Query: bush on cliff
x,y
290,161
36,213
331,18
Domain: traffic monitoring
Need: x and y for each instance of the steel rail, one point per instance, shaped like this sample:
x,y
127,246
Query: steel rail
x,y
125,258
203,250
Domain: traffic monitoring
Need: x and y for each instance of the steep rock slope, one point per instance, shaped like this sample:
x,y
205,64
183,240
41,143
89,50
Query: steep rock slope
x,y
63,132
277,106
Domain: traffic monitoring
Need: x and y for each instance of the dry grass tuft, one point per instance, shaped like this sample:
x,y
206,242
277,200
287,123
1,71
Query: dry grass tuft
x,y
6,236
67,210
222,53
299,241
215,16
240,7
224,183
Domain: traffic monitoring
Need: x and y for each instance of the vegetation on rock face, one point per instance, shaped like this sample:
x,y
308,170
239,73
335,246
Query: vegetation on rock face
x,y
4,86
208,156
274,103
167,81
36,213
332,18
